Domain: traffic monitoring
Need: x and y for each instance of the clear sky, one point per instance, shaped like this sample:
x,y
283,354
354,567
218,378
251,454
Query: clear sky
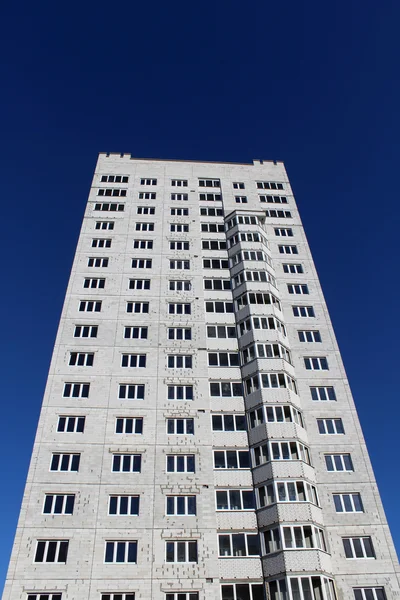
x,y
315,84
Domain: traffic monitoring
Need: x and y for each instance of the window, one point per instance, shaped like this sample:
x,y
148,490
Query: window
x,y
85,331
148,182
211,212
263,276
126,463
111,192
269,380
338,462
45,596
101,243
231,459
59,504
223,359
76,390
71,424
147,195
179,361
368,593
137,307
297,288
212,228
280,451
179,333
265,351
180,212
131,333
242,220
288,249
123,505
287,491
309,336
209,183
94,283
179,228
115,178
235,499
179,197
90,306
295,536
261,323
307,588
238,185
219,307
139,284
242,591
248,236
182,596
283,231
250,255
316,363
179,245
130,391
51,551
180,285
241,199
269,185
65,462
292,268
141,263
120,552
129,425
144,227
81,359
221,331
358,547
97,262
348,503
118,596
179,309
106,207
330,426
225,422
107,225
180,463
143,244
274,199
180,392
226,388
181,551
180,426
280,214
145,210
180,505
323,393
238,544
133,360
303,311
179,182
179,264
215,263
275,414
214,244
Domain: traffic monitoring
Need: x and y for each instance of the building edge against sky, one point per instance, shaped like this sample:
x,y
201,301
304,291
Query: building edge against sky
x,y
198,438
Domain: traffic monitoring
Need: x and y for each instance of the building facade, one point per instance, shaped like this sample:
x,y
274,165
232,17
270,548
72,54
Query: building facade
x,y
198,438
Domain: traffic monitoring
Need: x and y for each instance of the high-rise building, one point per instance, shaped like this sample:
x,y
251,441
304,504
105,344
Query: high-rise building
x,y
198,439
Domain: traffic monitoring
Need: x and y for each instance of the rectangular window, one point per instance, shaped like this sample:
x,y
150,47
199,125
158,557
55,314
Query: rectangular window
x,y
219,307
141,263
288,249
223,359
213,244
115,178
309,336
180,285
139,284
147,195
283,231
148,182
180,463
137,307
115,192
136,333
215,263
297,288
94,283
101,243
179,212
81,359
129,425
123,505
106,207
67,424
226,388
179,182
130,391
241,199
238,185
59,504
235,499
51,551
330,426
85,331
144,227
226,422
45,596
179,309
348,503
292,268
65,462
143,244
179,333
303,311
211,212
231,459
243,591
274,199
105,225
179,197
180,392
76,390
278,214
338,462
90,306
126,463
358,547
221,331
117,596
269,185
145,210
179,264
179,227
180,426
97,262
322,393
212,228
183,596
316,363
238,544
179,361
181,552
369,593
120,552
209,183
133,360
180,505
179,245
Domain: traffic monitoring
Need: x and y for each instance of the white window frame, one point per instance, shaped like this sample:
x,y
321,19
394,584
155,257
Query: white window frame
x,y
116,544
130,458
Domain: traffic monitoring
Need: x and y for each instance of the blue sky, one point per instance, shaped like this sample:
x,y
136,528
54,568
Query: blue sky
x,y
314,84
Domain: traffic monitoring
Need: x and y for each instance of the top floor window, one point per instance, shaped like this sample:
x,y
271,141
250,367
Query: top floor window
x,y
209,183
114,178
269,185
